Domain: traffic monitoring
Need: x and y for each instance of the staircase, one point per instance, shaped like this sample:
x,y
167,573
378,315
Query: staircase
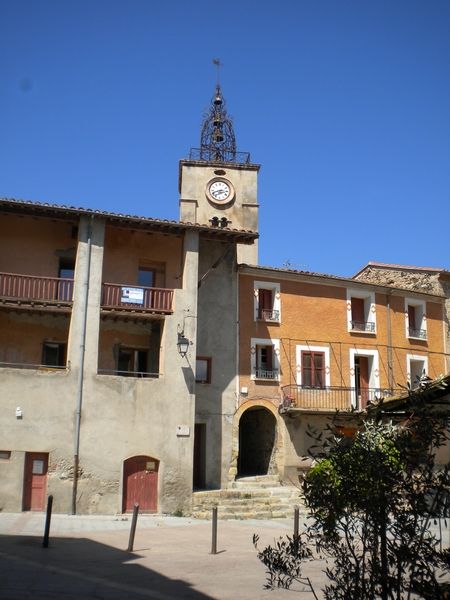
x,y
258,497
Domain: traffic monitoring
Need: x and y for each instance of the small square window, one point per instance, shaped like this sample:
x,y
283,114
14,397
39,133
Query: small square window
x,y
203,369
54,354
5,454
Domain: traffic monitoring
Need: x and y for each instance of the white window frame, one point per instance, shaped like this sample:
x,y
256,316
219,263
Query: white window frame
x,y
370,313
422,306
419,358
275,343
276,295
374,378
298,353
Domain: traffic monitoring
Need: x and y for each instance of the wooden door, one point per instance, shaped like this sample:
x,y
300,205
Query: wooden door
x,y
363,380
358,316
265,304
35,489
140,484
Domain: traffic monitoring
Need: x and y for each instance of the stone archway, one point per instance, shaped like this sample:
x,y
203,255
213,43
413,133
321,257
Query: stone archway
x,y
257,436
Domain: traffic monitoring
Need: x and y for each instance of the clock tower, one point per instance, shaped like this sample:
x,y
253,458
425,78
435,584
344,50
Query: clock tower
x,y
218,184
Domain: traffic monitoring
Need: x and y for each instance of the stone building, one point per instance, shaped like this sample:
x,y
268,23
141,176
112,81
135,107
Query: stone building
x,y
117,337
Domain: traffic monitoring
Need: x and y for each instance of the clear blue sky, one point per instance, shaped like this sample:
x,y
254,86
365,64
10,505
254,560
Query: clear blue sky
x,y
345,104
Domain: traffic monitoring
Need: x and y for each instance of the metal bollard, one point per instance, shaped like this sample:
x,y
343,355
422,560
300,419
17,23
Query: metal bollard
x,y
214,531
296,519
133,528
47,521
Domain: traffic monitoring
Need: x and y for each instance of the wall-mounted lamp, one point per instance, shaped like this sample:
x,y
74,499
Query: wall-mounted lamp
x,y
183,344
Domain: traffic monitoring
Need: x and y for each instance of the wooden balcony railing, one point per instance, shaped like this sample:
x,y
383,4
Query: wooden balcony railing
x,y
330,398
31,288
136,298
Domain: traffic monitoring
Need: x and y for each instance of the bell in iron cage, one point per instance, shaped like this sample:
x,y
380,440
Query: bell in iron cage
x,y
218,99
217,122
218,135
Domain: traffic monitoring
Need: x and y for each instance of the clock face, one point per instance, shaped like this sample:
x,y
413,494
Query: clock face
x,y
220,191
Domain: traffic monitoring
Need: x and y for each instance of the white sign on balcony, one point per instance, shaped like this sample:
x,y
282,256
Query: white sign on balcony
x,y
130,295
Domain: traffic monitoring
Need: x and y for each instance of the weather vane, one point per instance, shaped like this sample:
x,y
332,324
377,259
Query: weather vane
x,y
216,61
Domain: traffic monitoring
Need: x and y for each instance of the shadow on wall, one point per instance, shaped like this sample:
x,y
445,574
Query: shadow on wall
x,y
81,568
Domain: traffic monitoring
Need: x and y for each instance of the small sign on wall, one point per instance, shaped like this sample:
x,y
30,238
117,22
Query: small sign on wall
x,y
183,431
130,295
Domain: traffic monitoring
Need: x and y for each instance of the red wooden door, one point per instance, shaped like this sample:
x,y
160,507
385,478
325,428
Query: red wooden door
x,y
140,484
36,467
358,316
364,380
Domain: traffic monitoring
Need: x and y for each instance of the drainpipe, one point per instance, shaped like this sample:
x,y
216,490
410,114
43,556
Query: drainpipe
x,y
389,340
76,453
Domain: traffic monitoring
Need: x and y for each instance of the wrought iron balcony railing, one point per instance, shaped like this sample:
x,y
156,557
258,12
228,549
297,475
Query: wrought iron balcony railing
x,y
30,288
266,374
367,326
267,314
136,298
421,334
219,155
330,398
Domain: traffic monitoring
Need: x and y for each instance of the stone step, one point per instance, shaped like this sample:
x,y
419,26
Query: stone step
x,y
260,502
256,481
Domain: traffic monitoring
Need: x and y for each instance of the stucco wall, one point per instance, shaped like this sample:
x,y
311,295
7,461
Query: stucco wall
x,y
126,251
34,245
22,335
120,416
217,338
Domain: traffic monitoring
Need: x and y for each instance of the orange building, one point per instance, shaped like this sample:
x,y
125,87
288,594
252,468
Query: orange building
x,y
311,344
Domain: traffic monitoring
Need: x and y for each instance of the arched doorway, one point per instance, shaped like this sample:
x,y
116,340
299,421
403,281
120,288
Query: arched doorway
x,y
140,483
257,428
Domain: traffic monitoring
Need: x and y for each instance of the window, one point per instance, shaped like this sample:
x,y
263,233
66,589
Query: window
x,y
361,317
417,367
146,277
265,359
203,369
132,362
5,454
151,274
267,303
415,319
313,369
54,354
66,271
313,366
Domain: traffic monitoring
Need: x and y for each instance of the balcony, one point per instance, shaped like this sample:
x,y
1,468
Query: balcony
x,y
118,297
268,314
266,374
329,398
420,334
367,326
29,291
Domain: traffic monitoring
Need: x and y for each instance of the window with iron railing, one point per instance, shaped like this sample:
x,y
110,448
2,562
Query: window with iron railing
x,y
361,311
416,320
264,359
267,301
